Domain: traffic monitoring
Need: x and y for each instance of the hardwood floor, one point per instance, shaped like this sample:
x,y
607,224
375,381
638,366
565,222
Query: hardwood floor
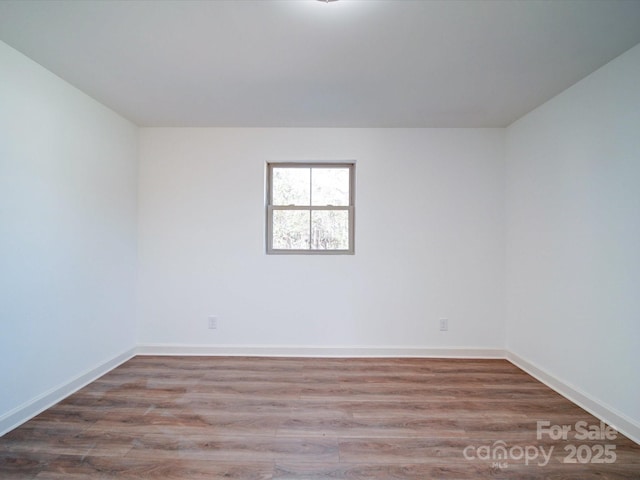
x,y
303,418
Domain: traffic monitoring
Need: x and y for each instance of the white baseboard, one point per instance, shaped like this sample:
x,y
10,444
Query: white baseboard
x,y
33,407
315,351
598,409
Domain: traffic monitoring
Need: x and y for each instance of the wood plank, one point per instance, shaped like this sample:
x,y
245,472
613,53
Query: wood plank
x,y
305,418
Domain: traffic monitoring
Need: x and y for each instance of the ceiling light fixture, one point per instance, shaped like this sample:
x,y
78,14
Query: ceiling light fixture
x,y
327,1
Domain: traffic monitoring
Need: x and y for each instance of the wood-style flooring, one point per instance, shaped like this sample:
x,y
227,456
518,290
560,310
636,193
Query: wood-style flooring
x,y
308,418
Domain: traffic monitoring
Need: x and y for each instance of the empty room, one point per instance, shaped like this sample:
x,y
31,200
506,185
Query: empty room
x,y
310,239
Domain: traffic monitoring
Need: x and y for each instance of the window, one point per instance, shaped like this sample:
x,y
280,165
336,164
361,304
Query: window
x,y
310,208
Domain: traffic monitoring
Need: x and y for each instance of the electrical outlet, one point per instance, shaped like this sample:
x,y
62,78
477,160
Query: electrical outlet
x,y
444,324
213,323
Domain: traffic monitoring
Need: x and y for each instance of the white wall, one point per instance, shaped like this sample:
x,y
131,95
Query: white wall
x,y
429,241
573,237
68,174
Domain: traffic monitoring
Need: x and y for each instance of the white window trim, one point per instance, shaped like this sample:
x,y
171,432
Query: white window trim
x,y
351,165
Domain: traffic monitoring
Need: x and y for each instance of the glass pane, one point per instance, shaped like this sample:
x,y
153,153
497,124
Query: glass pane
x,y
331,186
291,229
291,186
330,230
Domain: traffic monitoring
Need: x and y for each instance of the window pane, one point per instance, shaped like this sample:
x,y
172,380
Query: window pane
x,y
291,186
331,186
330,229
291,229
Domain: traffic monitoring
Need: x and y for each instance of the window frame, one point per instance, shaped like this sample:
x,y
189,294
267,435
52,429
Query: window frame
x,y
270,208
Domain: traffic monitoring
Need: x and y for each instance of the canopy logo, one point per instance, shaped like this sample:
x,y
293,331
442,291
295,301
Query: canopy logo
x,y
499,454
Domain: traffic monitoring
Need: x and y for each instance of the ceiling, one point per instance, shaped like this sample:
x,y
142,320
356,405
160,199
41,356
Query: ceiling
x,y
302,63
